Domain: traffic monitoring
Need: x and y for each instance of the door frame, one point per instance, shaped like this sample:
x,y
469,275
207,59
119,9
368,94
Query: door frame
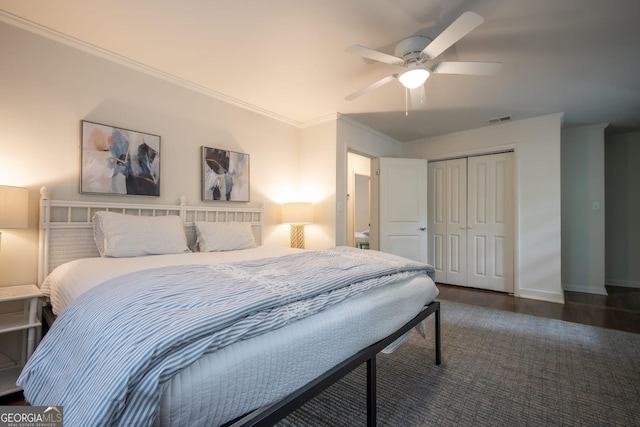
x,y
344,200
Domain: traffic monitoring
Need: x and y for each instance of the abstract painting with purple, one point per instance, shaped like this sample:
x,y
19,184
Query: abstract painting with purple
x,y
119,161
225,175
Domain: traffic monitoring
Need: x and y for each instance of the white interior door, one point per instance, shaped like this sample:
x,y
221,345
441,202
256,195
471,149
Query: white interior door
x,y
490,222
456,222
402,209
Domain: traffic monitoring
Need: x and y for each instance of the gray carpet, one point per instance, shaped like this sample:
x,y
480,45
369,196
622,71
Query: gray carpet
x,y
499,369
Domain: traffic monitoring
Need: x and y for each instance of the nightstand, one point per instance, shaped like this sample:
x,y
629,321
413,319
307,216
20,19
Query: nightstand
x,y
18,326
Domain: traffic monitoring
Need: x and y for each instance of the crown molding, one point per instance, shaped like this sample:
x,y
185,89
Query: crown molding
x,y
76,43
320,120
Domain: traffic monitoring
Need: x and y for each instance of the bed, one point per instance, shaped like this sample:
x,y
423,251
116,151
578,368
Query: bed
x,y
252,371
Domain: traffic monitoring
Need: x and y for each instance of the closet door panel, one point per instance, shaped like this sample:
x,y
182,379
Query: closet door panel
x,y
502,225
478,228
456,214
437,229
490,221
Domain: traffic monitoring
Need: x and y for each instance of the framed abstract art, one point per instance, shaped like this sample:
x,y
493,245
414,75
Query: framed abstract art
x,y
225,175
119,161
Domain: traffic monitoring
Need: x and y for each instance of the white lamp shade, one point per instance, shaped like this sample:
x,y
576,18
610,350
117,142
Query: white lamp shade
x,y
14,204
297,213
413,78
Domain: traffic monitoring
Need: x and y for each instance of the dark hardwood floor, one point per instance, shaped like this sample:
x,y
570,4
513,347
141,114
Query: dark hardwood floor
x,y
620,309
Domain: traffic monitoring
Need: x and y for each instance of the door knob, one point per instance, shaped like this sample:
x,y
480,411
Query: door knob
x,y
462,228
422,228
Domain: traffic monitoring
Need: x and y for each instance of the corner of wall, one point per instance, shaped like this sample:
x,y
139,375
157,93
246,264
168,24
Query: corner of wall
x,y
557,297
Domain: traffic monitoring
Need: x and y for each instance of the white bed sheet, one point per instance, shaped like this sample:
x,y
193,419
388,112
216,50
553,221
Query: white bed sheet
x,y
70,280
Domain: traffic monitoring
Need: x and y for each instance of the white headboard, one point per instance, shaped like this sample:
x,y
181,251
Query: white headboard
x,y
66,230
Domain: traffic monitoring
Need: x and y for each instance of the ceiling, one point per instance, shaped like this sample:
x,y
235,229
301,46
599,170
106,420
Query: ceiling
x,y
287,58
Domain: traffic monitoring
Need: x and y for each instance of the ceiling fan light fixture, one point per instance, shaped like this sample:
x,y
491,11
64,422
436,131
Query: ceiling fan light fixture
x,y
414,78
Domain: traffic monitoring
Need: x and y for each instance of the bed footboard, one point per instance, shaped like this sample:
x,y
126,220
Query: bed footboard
x,y
271,414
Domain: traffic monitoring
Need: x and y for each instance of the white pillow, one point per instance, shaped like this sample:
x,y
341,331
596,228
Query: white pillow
x,y
224,236
120,235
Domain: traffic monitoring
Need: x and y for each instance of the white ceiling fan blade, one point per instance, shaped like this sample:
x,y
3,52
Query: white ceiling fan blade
x,y
374,54
383,81
418,97
470,68
462,26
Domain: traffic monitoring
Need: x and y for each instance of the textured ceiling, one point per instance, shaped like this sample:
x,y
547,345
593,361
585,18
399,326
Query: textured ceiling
x,y
287,57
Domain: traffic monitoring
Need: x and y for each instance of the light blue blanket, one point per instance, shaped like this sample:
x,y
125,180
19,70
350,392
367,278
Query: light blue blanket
x,y
107,356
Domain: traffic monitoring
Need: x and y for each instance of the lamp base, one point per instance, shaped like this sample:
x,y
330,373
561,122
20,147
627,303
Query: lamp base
x,y
297,236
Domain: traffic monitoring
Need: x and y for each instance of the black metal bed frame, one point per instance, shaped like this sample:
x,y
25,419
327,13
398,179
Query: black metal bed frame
x,y
270,414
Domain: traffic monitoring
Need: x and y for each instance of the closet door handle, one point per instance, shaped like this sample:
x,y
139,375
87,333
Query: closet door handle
x,y
422,228
463,228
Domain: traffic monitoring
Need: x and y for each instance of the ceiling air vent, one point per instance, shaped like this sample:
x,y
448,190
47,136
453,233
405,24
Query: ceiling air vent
x,y
500,119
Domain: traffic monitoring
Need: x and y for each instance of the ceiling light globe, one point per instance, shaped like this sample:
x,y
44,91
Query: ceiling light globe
x,y
413,78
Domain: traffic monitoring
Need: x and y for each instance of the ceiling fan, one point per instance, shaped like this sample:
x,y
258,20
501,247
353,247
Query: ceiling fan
x,y
416,52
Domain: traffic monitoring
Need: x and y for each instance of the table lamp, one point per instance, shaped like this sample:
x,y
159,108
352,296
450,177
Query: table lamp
x,y
298,215
14,204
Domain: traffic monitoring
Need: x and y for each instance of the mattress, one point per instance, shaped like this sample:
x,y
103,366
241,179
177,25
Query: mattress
x,y
70,280
227,383
264,369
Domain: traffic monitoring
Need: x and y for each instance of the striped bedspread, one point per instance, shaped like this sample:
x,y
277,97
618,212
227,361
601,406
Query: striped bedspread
x,y
108,355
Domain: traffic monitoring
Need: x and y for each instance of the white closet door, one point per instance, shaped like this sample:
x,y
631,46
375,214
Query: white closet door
x,y
438,219
456,218
490,222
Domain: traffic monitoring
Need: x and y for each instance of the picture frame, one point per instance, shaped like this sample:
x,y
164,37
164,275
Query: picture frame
x,y
225,175
119,161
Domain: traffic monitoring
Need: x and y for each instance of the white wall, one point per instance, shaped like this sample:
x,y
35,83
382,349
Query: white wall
x,y
622,185
583,209
47,88
536,143
353,136
318,182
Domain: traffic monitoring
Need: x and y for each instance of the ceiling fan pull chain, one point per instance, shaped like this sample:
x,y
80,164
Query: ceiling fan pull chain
x,y
406,102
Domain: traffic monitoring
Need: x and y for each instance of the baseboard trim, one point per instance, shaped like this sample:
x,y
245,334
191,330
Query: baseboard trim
x,y
542,295
572,287
623,283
